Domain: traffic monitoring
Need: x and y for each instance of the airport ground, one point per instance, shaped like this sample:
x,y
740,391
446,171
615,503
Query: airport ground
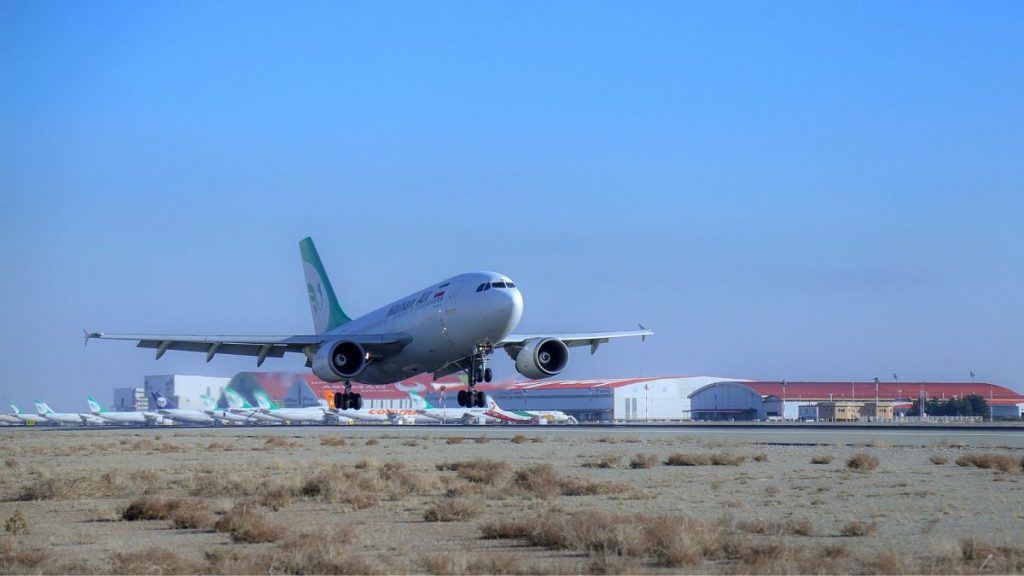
x,y
512,500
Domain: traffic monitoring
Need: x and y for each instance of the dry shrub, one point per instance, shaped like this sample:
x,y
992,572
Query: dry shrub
x,y
235,562
116,483
247,526
411,443
996,559
473,563
151,508
372,442
641,460
482,440
20,560
277,442
452,510
854,529
715,459
16,524
364,487
192,516
318,553
151,561
937,459
519,439
332,440
862,462
11,462
542,481
537,440
455,440
276,495
760,457
222,484
478,470
790,527
507,530
1001,462
605,461
220,446
821,459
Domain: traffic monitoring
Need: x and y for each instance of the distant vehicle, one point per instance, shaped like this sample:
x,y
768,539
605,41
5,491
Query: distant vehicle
x,y
45,411
449,327
23,417
169,409
123,417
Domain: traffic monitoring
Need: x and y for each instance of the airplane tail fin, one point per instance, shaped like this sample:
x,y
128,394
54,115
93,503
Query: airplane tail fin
x,y
42,408
419,402
327,313
208,403
162,402
14,409
236,400
94,406
263,401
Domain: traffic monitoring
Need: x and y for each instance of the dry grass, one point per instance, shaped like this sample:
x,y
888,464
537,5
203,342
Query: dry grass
x,y
218,446
702,459
537,440
151,561
116,483
245,525
760,457
643,461
542,481
372,442
482,440
790,527
17,560
862,462
821,459
479,470
273,442
857,529
474,563
452,510
17,525
1001,462
10,462
605,461
192,516
519,439
939,460
317,554
151,508
455,440
333,440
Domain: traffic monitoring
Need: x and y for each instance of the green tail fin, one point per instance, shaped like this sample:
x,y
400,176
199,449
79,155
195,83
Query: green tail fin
x,y
327,313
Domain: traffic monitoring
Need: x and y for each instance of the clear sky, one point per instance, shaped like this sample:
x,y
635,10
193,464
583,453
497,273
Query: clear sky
x,y
809,190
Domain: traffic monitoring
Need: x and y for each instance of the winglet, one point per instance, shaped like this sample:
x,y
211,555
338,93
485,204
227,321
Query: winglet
x,y
642,327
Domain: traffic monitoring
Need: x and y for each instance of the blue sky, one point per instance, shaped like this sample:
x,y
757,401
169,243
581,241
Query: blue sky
x,y
800,190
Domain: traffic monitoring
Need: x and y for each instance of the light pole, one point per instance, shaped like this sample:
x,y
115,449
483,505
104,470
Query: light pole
x,y
647,405
783,400
876,397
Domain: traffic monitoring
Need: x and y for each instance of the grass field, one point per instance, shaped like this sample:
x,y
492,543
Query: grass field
x,y
456,501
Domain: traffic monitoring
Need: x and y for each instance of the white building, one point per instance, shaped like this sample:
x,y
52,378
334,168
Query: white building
x,y
129,400
185,390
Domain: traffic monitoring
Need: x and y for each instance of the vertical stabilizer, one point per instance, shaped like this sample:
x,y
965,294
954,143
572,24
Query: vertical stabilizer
x,y
14,409
263,400
95,406
327,313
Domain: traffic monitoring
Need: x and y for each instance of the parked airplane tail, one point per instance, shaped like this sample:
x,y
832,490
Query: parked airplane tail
x,y
42,408
263,400
418,402
163,402
208,403
236,400
323,304
95,406
14,409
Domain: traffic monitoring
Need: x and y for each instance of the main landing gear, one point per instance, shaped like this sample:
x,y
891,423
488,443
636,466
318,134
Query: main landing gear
x,y
347,400
478,372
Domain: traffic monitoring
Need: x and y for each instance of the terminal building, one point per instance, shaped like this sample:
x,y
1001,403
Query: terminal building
x,y
184,389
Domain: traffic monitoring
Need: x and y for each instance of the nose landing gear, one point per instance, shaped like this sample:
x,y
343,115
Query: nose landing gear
x,y
478,372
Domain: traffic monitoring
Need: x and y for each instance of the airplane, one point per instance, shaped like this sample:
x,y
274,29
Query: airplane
x,y
449,327
313,414
44,410
238,405
223,416
331,397
169,409
123,417
9,419
28,419
445,415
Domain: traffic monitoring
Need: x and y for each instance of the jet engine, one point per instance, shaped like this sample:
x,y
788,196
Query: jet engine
x,y
339,360
542,357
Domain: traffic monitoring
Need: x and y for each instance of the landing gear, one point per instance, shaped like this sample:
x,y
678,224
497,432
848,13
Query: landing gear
x,y
347,400
478,372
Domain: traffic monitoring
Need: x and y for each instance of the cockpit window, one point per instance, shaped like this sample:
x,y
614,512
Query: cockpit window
x,y
509,285
480,288
498,284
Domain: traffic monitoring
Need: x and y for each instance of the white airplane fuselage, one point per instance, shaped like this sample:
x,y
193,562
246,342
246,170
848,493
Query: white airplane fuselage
x,y
311,414
447,321
126,417
64,418
184,415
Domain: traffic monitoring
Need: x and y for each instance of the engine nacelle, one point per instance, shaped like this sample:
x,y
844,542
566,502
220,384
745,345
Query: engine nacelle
x,y
542,357
340,360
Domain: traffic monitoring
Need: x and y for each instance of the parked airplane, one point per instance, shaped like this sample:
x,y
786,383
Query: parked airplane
x,y
312,414
370,414
445,415
449,327
223,416
169,409
238,405
9,419
123,417
45,411
25,418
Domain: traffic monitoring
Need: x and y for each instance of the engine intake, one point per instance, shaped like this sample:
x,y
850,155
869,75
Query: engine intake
x,y
337,361
542,357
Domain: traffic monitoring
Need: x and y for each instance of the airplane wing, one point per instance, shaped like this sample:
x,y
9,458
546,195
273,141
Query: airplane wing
x,y
262,347
593,339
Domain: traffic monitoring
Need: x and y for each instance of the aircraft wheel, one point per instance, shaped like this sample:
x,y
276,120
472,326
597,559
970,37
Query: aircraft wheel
x,y
357,402
462,398
481,399
488,375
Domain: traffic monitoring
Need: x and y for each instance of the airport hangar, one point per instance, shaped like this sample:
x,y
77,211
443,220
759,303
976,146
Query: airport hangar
x,y
602,400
